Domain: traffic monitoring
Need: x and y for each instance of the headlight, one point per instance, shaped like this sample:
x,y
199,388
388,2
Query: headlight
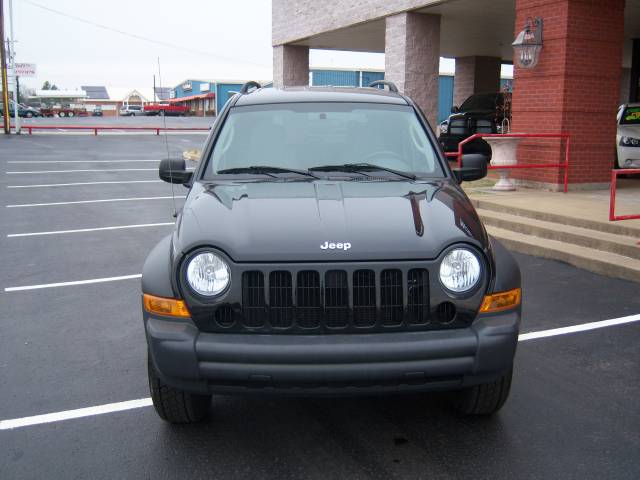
x,y
460,270
208,274
629,142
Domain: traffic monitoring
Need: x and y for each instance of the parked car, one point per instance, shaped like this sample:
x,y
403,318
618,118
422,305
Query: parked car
x,y
97,111
628,136
131,110
326,247
165,109
480,113
24,111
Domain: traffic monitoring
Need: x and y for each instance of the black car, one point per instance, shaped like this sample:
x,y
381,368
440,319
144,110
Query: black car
x,y
325,247
480,113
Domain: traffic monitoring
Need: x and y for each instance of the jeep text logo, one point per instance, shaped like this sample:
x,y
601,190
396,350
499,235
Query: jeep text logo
x,y
335,246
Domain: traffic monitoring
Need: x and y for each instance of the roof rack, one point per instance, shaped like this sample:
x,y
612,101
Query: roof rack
x,y
391,85
250,84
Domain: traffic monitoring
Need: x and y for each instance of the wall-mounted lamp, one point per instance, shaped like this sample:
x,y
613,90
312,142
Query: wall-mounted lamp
x,y
528,43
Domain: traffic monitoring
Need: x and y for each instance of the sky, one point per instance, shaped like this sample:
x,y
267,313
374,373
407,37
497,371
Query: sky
x,y
198,39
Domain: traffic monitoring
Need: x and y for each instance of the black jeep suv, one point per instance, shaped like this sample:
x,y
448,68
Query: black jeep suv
x,y
480,113
325,247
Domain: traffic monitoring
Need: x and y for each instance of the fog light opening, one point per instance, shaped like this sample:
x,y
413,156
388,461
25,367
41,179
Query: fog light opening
x,y
446,312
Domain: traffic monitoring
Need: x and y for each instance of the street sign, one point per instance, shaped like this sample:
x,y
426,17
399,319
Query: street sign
x,y
26,69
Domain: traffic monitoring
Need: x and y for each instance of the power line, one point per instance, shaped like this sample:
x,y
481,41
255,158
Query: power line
x,y
140,37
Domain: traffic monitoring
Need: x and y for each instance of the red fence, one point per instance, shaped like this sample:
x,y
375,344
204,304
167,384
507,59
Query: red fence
x,y
564,165
612,198
95,129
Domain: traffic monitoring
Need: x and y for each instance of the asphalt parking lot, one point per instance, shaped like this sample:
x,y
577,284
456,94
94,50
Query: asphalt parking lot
x,y
574,410
136,121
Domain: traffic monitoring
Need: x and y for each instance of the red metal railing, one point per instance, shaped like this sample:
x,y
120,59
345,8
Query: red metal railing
x,y
564,165
95,129
612,198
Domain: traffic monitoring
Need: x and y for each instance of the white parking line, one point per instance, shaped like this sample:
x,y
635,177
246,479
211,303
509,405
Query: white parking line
x,y
146,402
69,284
86,170
82,230
78,413
83,161
578,328
83,183
93,201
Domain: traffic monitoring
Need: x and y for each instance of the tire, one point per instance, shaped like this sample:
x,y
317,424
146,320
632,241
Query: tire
x,y
161,113
61,114
29,114
484,399
174,405
71,114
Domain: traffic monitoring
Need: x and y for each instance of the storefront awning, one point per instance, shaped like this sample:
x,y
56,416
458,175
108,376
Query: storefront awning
x,y
192,97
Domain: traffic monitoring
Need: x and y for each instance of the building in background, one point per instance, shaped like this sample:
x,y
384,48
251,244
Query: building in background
x,y
205,97
343,77
589,49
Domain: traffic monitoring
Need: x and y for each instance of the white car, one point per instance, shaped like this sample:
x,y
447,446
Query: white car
x,y
131,111
628,136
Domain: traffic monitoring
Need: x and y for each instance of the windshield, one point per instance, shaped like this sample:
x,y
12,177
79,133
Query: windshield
x,y
307,135
631,116
481,102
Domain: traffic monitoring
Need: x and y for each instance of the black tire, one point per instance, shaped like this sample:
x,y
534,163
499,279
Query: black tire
x,y
61,114
174,405
483,399
71,114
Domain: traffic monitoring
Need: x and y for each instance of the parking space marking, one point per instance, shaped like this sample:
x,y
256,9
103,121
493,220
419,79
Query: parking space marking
x,y
83,230
83,183
146,402
86,170
83,161
578,328
70,284
93,201
78,413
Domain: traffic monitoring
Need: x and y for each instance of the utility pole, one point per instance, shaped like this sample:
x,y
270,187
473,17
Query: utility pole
x,y
12,53
3,68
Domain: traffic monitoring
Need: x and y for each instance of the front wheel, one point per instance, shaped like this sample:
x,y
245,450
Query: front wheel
x,y
71,114
483,399
61,114
174,405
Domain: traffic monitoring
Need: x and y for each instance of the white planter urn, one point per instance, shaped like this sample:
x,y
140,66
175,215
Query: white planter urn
x,y
503,152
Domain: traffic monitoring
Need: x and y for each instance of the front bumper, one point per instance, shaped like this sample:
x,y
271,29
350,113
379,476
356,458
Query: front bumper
x,y
628,157
334,364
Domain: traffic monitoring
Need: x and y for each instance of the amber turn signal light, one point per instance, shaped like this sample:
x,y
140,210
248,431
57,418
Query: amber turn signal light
x,y
165,306
497,302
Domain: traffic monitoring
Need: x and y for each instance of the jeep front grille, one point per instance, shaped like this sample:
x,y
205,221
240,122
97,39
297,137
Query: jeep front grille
x,y
308,301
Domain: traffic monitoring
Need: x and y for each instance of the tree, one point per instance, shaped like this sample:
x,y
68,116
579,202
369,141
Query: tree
x,y
49,86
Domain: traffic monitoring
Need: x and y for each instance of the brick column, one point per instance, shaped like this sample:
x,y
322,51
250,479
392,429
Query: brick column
x,y
574,88
290,65
475,75
412,58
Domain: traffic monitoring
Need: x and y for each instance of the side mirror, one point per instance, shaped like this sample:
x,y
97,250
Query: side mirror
x,y
474,167
455,109
174,170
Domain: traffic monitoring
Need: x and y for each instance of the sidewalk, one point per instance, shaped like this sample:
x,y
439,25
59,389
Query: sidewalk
x,y
591,206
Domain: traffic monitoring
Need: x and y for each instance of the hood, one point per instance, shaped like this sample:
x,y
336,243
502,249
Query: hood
x,y
629,131
328,220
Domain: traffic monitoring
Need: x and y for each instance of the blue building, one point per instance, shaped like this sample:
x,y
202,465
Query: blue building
x,y
203,97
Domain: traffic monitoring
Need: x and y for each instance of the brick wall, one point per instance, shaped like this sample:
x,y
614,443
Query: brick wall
x,y
297,19
574,88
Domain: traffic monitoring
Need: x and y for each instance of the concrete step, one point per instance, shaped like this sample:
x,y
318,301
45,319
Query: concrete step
x,y
595,239
616,228
604,263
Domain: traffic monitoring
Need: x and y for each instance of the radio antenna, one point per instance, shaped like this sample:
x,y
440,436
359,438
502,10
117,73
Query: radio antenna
x,y
166,144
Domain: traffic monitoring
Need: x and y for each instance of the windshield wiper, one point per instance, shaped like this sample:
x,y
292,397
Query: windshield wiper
x,y
361,167
265,170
